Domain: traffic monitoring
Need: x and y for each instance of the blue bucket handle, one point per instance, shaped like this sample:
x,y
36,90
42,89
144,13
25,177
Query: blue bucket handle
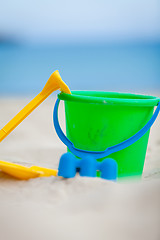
x,y
101,154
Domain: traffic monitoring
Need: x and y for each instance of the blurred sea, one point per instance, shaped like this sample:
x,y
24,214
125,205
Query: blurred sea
x,y
125,67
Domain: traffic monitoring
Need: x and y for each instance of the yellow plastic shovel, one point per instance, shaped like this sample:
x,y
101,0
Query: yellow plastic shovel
x,y
54,83
25,173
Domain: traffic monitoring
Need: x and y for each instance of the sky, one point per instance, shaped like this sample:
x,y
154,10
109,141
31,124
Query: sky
x,y
37,21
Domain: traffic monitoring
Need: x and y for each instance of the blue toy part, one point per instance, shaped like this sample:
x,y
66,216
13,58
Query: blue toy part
x,y
101,154
109,169
67,165
88,167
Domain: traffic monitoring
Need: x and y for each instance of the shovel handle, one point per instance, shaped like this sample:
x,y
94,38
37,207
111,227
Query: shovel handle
x,y
9,127
54,83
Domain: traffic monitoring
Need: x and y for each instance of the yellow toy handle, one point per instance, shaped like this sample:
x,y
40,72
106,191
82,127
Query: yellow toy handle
x,y
54,83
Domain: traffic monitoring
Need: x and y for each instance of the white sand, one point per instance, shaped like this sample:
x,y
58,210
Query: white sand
x,y
79,208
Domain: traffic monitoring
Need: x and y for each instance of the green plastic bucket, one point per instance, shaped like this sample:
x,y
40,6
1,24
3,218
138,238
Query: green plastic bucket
x,y
98,120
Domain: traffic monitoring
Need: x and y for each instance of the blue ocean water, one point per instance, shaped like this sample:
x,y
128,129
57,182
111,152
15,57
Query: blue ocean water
x,y
124,67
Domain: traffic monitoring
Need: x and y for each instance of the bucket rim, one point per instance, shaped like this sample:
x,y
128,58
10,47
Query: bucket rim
x,y
109,98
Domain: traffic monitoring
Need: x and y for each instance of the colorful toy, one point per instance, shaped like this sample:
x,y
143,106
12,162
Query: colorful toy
x,y
20,172
107,133
54,83
88,166
102,125
25,173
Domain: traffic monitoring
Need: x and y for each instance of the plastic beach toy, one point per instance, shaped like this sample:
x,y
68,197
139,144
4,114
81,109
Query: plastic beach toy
x,y
107,133
25,173
54,83
102,125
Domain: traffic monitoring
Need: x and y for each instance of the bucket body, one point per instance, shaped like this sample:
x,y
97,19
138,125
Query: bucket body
x,y
98,120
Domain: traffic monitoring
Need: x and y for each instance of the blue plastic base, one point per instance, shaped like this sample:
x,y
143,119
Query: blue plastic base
x,y
69,165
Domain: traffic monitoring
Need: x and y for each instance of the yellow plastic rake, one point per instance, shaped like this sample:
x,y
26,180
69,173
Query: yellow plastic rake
x,y
54,83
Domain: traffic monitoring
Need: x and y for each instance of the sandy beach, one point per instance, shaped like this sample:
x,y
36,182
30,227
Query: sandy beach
x,y
79,208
